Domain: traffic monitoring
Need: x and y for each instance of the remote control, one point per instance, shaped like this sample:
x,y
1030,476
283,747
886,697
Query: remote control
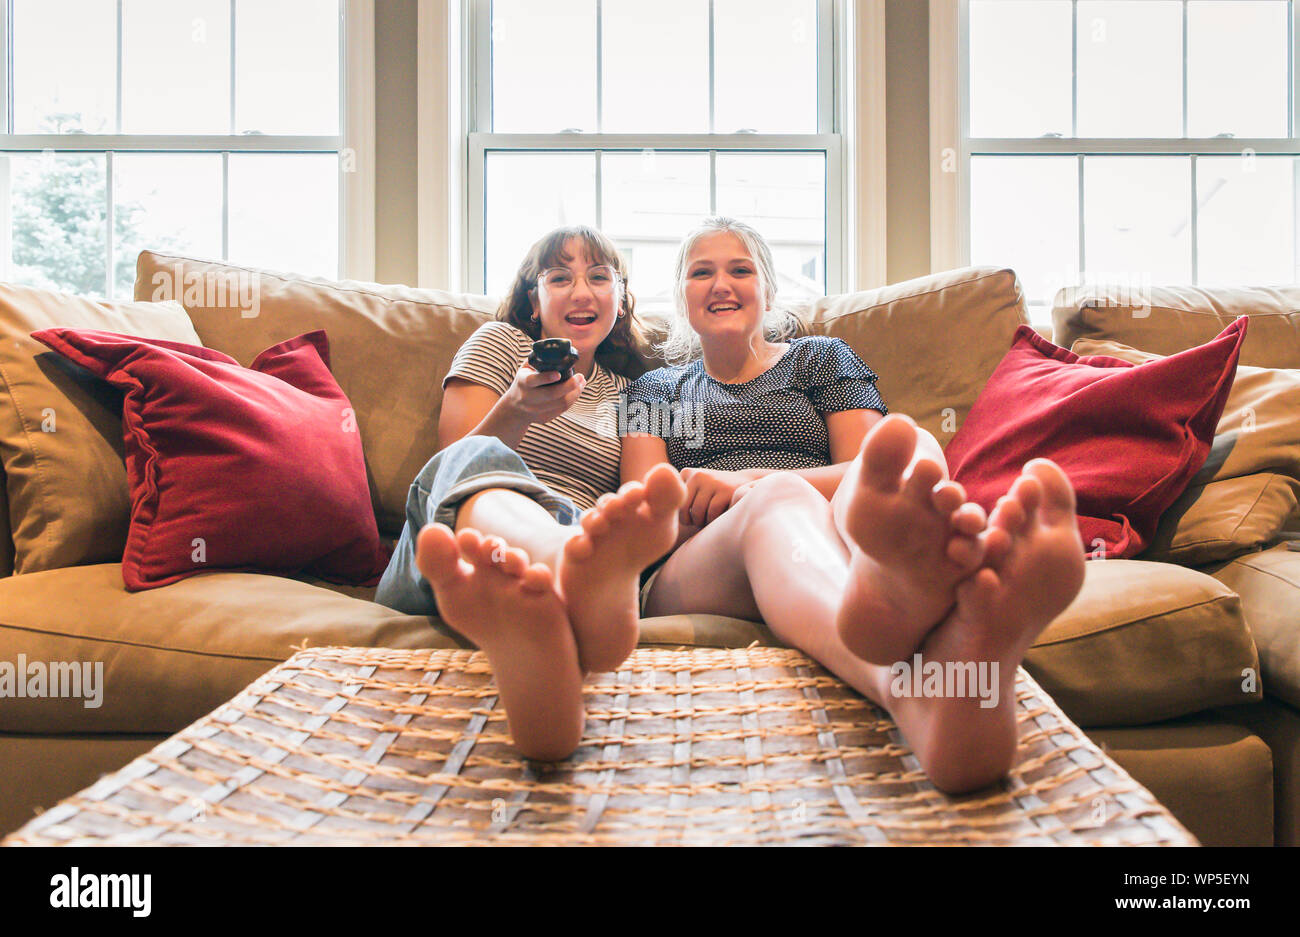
x,y
554,354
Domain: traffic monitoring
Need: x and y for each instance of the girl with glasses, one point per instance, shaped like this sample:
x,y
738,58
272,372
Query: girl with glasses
x,y
515,533
810,509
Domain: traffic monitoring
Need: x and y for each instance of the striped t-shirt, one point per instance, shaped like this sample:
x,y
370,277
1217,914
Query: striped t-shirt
x,y
577,453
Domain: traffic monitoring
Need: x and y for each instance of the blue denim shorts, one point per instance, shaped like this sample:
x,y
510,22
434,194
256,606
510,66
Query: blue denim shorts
x,y
466,467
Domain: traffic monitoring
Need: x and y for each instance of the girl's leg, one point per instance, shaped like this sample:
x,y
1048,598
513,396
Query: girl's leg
x,y
782,545
911,537
597,565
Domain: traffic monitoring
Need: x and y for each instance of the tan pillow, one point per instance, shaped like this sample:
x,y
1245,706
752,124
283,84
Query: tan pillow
x,y
6,537
390,347
1167,320
1250,483
933,341
61,429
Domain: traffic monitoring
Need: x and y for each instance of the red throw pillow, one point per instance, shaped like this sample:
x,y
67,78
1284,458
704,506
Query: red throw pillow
x,y
1129,437
232,468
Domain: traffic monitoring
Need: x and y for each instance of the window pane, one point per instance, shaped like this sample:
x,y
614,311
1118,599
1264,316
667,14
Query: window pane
x,y
1130,68
1025,215
1137,219
783,195
1246,222
176,66
543,66
656,65
1236,68
529,194
649,201
164,202
1020,68
287,66
64,54
58,235
284,212
765,65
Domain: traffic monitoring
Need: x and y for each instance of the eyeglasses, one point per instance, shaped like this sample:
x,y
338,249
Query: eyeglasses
x,y
559,281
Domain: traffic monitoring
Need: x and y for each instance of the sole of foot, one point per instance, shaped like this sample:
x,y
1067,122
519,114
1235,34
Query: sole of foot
x,y
488,592
1032,570
600,568
914,538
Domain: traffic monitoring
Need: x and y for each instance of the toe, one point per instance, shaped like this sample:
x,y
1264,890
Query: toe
x,y
997,546
1058,494
1008,514
886,452
966,552
946,497
923,478
969,518
579,547
537,579
514,562
595,523
664,490
436,554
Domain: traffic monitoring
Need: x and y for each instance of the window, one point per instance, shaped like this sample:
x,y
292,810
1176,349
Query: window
x,y
1131,143
643,119
206,127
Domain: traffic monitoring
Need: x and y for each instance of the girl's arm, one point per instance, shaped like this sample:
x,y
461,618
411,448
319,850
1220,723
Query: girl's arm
x,y
473,409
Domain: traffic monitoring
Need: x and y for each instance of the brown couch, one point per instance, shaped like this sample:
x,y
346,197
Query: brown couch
x,y
1149,658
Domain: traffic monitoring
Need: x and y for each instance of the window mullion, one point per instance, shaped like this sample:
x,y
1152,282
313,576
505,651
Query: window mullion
x,y
6,68
1185,74
1196,211
1074,70
117,126
225,205
232,64
713,128
109,285
600,67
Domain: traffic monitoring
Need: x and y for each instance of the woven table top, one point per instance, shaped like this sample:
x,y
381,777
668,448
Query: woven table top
x,y
698,746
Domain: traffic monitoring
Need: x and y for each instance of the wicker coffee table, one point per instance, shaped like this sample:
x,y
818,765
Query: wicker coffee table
x,y
699,746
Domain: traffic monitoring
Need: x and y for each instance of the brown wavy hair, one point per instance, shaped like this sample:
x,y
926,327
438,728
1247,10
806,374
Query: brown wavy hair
x,y
622,351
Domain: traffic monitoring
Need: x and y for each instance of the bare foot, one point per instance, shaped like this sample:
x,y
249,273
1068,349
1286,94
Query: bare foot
x,y
1033,569
490,594
600,568
912,539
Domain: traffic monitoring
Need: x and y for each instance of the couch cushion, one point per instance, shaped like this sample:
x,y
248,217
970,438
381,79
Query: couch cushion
x,y
1216,778
1167,320
933,341
1128,437
215,459
1269,585
1143,642
6,538
390,348
61,428
170,655
1250,483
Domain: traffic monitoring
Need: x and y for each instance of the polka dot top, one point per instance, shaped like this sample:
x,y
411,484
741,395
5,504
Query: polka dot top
x,y
773,421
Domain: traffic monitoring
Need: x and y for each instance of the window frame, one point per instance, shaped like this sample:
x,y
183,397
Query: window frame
x,y
828,140
950,219
356,139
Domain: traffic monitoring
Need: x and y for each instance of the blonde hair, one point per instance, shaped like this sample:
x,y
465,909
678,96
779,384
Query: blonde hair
x,y
682,345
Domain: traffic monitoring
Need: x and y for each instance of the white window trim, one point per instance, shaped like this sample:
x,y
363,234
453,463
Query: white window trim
x,y
951,146
442,43
356,187
450,160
